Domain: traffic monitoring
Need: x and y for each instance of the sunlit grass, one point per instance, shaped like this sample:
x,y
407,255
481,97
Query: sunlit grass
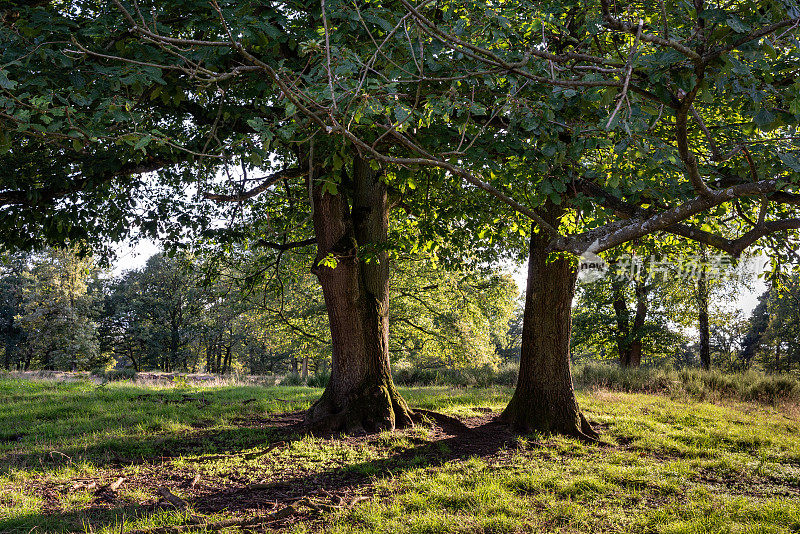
x,y
670,465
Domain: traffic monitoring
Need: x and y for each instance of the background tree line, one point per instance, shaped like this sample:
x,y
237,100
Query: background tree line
x,y
180,313
190,313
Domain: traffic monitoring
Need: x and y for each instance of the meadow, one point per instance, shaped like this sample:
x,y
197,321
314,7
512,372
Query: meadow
x,y
78,456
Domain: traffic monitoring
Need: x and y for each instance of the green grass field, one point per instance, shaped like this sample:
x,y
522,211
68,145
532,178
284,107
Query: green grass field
x,y
229,453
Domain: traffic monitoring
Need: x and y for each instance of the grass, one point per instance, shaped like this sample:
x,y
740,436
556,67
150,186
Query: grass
x,y
695,383
672,464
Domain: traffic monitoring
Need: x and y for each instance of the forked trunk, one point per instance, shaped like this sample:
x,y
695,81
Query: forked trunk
x,y
702,307
635,357
360,394
544,399
621,313
629,337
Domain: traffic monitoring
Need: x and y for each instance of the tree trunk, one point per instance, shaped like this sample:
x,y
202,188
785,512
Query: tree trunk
x,y
544,399
623,330
360,394
629,337
638,324
131,357
702,308
304,368
226,364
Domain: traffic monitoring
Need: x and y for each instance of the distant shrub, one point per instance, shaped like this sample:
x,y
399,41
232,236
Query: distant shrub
x,y
642,379
484,376
292,379
415,377
319,380
695,383
127,373
773,388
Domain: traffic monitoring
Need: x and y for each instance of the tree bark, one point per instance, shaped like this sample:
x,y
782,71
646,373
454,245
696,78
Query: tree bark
x,y
544,399
623,330
226,364
629,337
360,395
702,308
638,324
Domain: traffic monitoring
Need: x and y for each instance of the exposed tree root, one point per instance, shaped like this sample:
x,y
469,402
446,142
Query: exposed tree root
x,y
581,430
586,428
369,409
445,421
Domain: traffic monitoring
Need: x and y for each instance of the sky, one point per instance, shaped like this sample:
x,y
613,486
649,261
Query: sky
x,y
132,256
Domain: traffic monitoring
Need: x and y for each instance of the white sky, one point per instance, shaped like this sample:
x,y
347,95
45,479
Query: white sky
x,y
133,256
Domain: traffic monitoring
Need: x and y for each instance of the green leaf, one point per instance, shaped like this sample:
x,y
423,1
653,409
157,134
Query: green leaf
x,y
5,83
328,261
791,161
143,142
736,24
764,118
401,113
329,186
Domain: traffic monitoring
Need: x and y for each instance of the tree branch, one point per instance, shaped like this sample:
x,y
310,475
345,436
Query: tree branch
x,y
286,246
268,182
645,223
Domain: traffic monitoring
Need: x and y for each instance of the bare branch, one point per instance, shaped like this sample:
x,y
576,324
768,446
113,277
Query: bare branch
x,y
715,155
616,24
752,36
682,138
267,182
629,66
286,246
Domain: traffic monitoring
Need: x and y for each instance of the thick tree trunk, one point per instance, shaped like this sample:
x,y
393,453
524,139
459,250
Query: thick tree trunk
x,y
702,307
544,399
360,394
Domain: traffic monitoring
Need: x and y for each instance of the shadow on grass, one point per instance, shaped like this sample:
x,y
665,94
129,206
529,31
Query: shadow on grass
x,y
126,427
452,440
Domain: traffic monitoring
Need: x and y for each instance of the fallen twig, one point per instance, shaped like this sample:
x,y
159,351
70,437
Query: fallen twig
x,y
84,484
245,455
173,499
358,499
